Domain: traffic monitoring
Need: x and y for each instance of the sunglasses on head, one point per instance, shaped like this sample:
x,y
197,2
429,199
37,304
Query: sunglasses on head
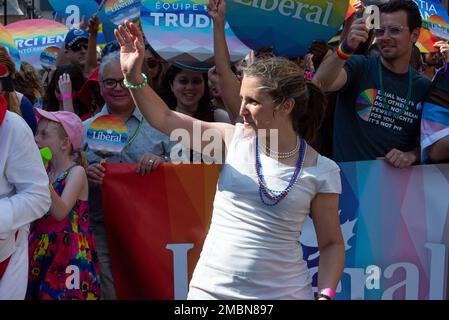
x,y
77,47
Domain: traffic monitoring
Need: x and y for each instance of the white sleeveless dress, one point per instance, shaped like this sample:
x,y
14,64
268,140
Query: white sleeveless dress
x,y
252,250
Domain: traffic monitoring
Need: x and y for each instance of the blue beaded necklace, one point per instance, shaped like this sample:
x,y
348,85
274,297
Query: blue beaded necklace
x,y
274,196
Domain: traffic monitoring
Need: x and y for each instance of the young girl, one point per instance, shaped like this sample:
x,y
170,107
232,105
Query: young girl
x,y
63,259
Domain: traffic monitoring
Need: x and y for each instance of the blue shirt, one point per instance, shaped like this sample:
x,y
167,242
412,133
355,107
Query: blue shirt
x,y
364,126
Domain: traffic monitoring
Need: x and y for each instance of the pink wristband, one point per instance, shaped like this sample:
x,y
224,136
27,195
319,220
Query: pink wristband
x,y
66,96
328,292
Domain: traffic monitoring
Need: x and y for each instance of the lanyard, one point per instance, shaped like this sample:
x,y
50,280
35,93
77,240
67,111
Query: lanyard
x,y
409,91
130,141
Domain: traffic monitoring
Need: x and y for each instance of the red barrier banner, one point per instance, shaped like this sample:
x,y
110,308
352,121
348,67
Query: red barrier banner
x,y
156,226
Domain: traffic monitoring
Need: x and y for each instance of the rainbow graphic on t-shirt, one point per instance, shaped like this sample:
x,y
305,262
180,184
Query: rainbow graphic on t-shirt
x,y
364,103
107,134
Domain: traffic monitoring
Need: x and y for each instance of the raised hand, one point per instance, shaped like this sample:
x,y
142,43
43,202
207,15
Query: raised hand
x,y
65,86
132,51
358,34
83,24
217,9
94,24
359,6
444,49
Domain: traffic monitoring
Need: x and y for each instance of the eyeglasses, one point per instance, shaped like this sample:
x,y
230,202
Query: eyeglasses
x,y
112,83
152,63
394,31
77,47
194,81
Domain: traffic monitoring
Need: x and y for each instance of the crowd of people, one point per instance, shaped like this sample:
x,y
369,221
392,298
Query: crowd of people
x,y
361,100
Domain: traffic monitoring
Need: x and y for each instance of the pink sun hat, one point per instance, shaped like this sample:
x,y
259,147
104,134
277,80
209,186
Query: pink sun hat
x,y
71,123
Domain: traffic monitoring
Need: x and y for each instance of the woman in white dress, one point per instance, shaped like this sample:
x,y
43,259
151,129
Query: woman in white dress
x,y
267,186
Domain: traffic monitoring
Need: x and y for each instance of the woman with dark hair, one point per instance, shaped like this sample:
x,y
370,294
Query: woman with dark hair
x,y
188,92
155,68
267,186
62,91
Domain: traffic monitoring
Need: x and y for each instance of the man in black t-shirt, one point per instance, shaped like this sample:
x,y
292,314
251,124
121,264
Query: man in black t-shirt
x,y
379,99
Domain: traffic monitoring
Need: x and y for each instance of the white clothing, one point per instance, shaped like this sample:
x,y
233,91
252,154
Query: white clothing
x,y
252,250
24,197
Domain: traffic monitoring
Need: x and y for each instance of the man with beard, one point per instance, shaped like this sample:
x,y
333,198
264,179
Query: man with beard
x,y
432,61
379,98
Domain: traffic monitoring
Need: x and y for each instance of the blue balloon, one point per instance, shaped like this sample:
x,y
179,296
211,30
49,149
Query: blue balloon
x,y
65,8
288,26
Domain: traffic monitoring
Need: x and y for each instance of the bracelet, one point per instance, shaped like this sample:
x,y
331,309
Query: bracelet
x,y
67,96
320,295
327,293
344,51
138,86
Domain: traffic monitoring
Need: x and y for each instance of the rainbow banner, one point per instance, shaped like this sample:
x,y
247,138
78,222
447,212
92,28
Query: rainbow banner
x,y
7,41
395,225
34,35
181,33
289,27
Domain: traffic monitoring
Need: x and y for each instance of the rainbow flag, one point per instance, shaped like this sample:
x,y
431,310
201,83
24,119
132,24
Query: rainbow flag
x,y
351,9
149,218
426,41
435,117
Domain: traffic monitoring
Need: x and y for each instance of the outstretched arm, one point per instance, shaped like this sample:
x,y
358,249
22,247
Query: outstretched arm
x,y
153,108
91,57
331,76
229,83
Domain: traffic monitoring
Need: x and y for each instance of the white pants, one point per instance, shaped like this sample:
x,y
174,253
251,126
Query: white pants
x,y
13,285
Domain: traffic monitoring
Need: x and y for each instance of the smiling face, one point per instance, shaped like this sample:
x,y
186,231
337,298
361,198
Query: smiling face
x,y
117,98
188,88
397,40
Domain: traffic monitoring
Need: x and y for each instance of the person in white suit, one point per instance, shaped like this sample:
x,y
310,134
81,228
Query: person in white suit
x,y
24,197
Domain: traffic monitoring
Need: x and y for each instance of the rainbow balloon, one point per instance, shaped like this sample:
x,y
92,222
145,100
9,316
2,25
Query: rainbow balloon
x,y
107,135
33,36
48,56
118,12
7,41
